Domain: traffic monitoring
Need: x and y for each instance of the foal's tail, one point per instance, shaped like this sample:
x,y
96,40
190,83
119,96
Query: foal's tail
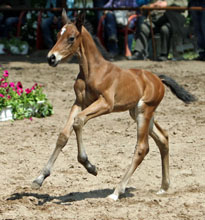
x,y
177,90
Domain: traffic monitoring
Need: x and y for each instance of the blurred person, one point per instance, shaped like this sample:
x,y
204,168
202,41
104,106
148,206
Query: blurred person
x,y
9,19
99,4
166,24
198,19
115,19
53,19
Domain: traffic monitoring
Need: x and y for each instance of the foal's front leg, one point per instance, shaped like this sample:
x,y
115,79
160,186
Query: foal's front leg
x,y
98,108
61,142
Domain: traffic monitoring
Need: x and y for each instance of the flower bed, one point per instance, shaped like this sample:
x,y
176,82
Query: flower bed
x,y
28,103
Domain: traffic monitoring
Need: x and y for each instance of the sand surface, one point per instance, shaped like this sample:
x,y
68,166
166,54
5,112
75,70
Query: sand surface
x,y
70,193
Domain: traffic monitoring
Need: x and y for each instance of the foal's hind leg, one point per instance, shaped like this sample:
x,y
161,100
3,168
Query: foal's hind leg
x,y
142,148
61,142
161,139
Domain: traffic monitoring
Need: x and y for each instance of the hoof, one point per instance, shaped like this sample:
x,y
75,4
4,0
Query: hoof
x,y
161,192
35,185
113,197
93,170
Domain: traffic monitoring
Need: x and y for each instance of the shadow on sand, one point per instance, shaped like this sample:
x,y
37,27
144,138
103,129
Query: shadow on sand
x,y
71,197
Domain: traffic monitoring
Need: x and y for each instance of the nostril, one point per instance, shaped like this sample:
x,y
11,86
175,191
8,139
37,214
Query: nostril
x,y
52,59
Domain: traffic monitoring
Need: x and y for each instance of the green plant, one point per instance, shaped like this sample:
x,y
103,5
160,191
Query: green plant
x,y
25,103
29,28
19,44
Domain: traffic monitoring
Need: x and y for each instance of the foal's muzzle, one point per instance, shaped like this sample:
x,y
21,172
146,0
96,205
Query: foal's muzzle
x,y
52,61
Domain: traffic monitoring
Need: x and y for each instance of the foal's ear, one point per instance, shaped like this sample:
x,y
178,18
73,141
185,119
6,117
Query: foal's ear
x,y
80,21
65,19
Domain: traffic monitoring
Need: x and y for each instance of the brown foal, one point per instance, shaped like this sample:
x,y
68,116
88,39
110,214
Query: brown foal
x,y
101,88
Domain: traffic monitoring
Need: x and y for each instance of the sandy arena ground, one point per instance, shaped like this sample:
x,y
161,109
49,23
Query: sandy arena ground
x,y
70,193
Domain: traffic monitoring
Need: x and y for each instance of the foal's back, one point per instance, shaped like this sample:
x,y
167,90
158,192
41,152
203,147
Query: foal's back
x,y
127,87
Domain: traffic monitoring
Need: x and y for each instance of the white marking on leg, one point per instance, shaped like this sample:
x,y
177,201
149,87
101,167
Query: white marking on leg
x,y
113,197
161,192
140,117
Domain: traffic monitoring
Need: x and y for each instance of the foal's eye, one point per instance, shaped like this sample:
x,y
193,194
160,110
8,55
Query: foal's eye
x,y
71,39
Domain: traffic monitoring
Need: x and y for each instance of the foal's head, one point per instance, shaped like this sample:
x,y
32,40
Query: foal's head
x,y
68,40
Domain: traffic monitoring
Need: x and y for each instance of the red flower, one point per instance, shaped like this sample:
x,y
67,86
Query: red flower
x,y
6,73
12,84
34,86
28,91
5,84
19,91
19,85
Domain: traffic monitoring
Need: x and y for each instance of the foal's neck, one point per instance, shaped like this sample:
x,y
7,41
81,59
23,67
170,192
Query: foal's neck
x,y
90,58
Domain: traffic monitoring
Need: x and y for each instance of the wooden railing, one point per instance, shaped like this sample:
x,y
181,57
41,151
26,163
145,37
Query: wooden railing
x,y
143,8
